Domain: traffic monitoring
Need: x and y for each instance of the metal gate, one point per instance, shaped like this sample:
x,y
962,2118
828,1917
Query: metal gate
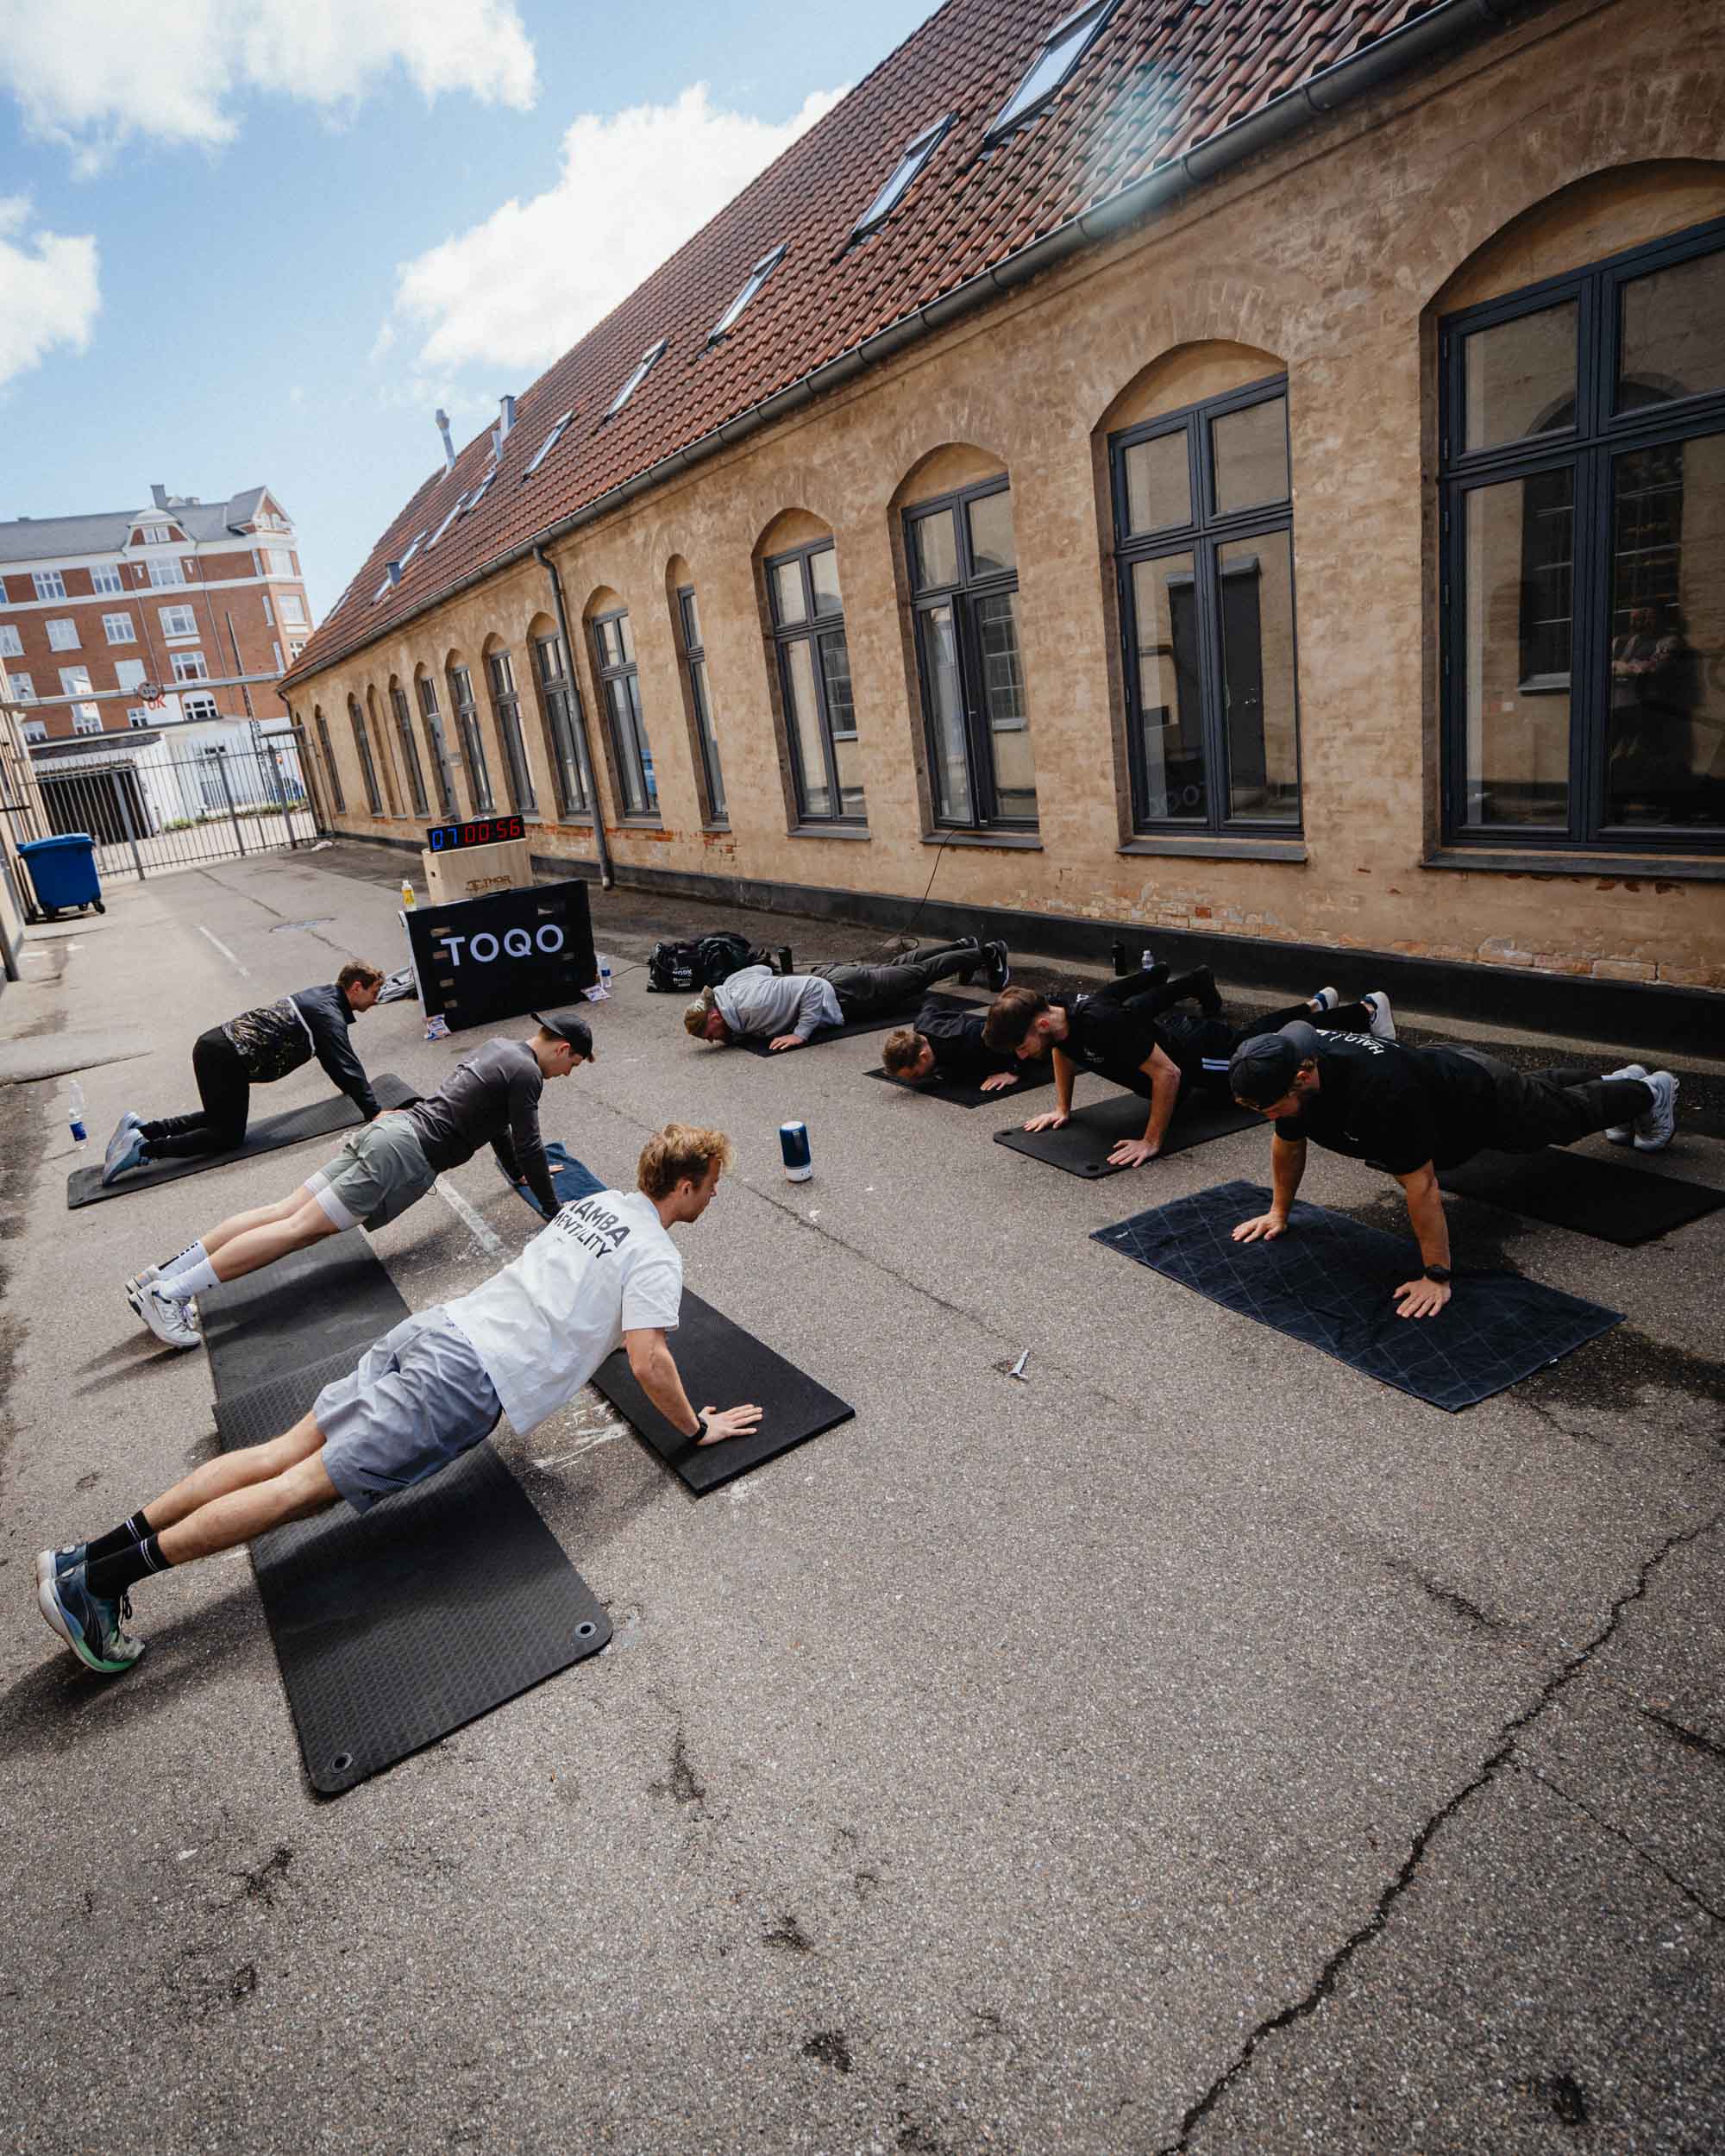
x,y
172,806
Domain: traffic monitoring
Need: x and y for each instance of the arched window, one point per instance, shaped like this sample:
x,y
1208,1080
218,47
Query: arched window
x,y
328,750
442,776
691,651
409,749
506,702
362,742
620,685
462,702
807,616
561,697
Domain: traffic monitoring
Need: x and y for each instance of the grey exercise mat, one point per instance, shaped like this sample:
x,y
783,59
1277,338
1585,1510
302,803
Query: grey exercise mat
x,y
722,1366
1329,1282
394,1626
1082,1147
332,1298
1614,1203
318,1118
962,1093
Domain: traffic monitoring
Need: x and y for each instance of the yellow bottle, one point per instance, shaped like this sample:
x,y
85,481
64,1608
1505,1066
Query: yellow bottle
x,y
407,894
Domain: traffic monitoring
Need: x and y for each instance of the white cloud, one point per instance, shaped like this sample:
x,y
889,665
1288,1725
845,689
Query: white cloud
x,y
520,288
94,74
49,293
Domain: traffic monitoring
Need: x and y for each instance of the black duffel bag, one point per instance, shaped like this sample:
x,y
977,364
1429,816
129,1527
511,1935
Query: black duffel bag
x,y
683,967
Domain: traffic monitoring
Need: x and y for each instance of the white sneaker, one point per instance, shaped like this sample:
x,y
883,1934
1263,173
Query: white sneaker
x,y
1326,999
1624,1133
136,1285
1654,1130
168,1318
1382,1018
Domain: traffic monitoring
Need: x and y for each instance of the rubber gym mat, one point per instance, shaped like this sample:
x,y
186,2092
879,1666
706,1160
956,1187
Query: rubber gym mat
x,y
332,1298
318,1118
1622,1205
1082,1147
964,1093
394,1626
758,1044
722,1366
1330,1281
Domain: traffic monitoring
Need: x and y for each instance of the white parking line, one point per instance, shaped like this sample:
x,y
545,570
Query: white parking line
x,y
224,950
486,1238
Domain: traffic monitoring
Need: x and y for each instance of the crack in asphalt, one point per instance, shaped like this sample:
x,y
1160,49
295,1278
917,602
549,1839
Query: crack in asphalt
x,y
1325,1982
1608,1827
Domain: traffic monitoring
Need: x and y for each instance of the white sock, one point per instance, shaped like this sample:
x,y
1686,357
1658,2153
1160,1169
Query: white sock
x,y
190,1280
195,1254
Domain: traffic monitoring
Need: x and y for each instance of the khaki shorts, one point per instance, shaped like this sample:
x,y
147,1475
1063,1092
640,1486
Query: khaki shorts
x,y
379,1171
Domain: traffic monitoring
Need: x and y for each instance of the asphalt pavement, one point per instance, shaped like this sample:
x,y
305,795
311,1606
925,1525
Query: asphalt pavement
x,y
1191,1745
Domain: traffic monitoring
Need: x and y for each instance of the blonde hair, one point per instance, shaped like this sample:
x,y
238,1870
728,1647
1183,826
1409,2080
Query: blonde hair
x,y
680,1149
901,1052
696,1014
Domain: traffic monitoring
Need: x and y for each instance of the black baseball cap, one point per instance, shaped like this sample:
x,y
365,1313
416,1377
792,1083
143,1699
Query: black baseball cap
x,y
570,1026
1262,1069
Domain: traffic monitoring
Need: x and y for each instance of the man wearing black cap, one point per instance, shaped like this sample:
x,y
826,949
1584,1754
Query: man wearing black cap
x,y
490,1097
1412,1111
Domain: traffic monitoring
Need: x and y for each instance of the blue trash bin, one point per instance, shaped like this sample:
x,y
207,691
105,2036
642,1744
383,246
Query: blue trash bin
x,y
62,870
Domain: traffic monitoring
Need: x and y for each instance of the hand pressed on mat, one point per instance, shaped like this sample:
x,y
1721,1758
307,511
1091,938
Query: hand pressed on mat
x,y
1421,1298
719,1423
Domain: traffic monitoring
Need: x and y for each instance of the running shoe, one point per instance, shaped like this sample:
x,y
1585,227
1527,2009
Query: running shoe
x,y
122,1136
126,1150
1325,999
1382,1018
50,1563
93,1629
1000,970
1654,1130
168,1319
1624,1133
967,973
136,1285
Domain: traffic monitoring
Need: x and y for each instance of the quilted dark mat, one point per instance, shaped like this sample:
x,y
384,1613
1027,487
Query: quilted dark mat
x,y
1329,1282
318,1119
394,1626
1082,1146
965,1095
331,1299
722,1366
1624,1204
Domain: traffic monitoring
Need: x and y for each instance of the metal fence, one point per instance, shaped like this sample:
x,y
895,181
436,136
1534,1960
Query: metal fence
x,y
169,806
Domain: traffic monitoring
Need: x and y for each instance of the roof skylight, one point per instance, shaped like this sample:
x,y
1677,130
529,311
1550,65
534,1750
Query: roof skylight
x,y
757,277
413,548
547,445
481,490
643,368
916,155
454,510
1061,50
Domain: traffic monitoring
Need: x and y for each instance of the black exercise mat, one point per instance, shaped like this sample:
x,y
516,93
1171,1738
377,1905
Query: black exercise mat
x,y
762,1044
1082,1147
722,1366
1622,1205
962,1094
1329,1281
332,1298
318,1119
394,1626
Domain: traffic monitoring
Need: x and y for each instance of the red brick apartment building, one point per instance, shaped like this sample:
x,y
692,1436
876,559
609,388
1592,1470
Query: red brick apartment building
x,y
202,601
1246,477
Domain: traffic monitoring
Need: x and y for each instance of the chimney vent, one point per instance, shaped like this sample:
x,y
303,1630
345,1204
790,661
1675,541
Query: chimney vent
x,y
506,410
449,445
159,495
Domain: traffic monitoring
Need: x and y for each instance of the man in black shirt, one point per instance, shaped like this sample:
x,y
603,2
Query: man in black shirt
x,y
1130,1034
491,1098
946,1045
1412,1111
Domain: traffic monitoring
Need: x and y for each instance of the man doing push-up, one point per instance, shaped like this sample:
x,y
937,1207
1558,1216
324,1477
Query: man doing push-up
x,y
604,1273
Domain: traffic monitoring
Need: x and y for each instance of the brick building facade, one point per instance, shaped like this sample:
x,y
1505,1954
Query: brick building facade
x,y
1261,479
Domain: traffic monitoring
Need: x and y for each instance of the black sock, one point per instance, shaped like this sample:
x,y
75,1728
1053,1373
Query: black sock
x,y
118,1538
108,1578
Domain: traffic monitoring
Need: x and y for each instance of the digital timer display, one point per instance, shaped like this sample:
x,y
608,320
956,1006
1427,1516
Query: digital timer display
x,y
484,830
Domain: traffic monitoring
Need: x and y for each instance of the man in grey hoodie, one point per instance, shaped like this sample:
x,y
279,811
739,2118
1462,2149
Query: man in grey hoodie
x,y
787,1009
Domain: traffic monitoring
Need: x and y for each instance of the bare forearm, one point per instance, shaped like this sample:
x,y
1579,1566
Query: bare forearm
x,y
1165,1092
1287,1166
658,1378
1426,1217
1065,1070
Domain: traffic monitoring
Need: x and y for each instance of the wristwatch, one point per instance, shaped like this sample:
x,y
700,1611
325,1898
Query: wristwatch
x,y
700,1426
1438,1273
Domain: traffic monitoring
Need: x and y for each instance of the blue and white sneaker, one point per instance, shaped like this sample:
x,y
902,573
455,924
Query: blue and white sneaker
x,y
93,1629
126,1150
50,1563
1654,1130
1382,1018
1325,999
1624,1133
123,1135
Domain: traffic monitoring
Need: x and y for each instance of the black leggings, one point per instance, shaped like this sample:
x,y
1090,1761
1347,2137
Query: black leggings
x,y
226,1091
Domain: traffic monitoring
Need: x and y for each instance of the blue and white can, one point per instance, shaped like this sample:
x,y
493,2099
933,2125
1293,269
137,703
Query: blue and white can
x,y
794,1144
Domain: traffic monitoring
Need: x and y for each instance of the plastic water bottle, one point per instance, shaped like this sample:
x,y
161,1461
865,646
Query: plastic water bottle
x,y
80,1136
604,974
407,898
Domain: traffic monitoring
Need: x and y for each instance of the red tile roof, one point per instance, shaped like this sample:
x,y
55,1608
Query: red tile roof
x,y
1163,77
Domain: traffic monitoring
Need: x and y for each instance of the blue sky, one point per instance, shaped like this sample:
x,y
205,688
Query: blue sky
x,y
205,229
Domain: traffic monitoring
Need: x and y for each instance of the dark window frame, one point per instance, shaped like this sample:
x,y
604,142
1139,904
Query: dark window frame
x,y
425,688
813,627
505,703
1007,121
329,748
463,705
912,160
964,596
1589,446
561,697
403,714
1203,536
632,758
714,803
362,743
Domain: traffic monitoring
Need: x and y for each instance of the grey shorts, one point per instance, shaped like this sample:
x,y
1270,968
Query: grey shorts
x,y
419,1399
379,1171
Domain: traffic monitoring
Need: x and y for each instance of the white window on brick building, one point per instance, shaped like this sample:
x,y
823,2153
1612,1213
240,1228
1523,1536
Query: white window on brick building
x,y
129,674
277,561
49,583
35,730
200,705
117,629
136,715
157,535
177,621
11,643
105,577
86,719
62,636
292,608
294,648
275,653
269,618
166,572
75,681
188,666
22,687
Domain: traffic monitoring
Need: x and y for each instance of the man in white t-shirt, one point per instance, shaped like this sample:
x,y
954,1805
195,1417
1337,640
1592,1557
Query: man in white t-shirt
x,y
602,1273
